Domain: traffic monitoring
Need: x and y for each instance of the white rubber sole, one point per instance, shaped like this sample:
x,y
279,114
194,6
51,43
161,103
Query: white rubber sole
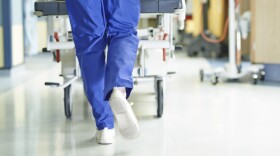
x,y
126,119
105,141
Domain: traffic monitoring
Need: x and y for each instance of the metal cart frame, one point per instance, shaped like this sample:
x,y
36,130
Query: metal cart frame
x,y
62,46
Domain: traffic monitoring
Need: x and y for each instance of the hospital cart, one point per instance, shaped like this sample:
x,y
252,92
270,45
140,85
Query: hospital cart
x,y
62,46
233,71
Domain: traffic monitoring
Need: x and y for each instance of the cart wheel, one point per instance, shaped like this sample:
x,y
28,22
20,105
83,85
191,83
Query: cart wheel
x,y
139,70
201,74
255,81
68,102
215,80
262,74
255,77
160,98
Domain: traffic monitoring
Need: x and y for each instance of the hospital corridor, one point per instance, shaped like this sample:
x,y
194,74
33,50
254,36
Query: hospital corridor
x,y
161,78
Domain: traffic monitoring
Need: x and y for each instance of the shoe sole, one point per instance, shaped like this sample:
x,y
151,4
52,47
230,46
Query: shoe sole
x,y
105,141
126,119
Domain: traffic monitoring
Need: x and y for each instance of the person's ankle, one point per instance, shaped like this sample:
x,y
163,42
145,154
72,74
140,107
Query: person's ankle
x,y
122,90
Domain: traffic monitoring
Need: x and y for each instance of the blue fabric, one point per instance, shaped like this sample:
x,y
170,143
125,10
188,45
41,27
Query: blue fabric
x,y
95,25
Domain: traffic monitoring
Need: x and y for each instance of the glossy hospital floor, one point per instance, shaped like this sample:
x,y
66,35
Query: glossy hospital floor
x,y
231,119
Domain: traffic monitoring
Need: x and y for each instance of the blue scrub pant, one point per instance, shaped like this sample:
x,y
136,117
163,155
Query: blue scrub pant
x,y
95,25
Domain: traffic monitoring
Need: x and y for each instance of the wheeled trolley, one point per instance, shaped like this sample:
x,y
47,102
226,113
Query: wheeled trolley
x,y
233,71
256,72
63,48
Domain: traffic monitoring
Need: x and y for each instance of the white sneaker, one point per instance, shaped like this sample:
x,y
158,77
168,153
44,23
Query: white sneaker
x,y
126,119
105,136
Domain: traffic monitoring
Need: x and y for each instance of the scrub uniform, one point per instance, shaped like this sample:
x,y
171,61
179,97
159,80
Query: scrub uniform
x,y
95,25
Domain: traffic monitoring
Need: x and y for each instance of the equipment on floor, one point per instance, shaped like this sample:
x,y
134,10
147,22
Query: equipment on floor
x,y
208,44
159,39
233,70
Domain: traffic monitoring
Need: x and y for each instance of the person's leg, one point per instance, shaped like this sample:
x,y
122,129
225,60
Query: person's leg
x,y
122,17
93,69
89,31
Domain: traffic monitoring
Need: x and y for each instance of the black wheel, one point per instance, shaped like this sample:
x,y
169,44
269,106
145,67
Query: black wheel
x,y
160,98
239,68
255,78
215,80
255,81
68,102
139,70
201,74
262,74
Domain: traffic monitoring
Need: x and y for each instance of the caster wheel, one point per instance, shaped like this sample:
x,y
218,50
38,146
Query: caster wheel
x,y
255,77
262,74
68,104
239,68
201,74
139,70
215,80
255,81
160,98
